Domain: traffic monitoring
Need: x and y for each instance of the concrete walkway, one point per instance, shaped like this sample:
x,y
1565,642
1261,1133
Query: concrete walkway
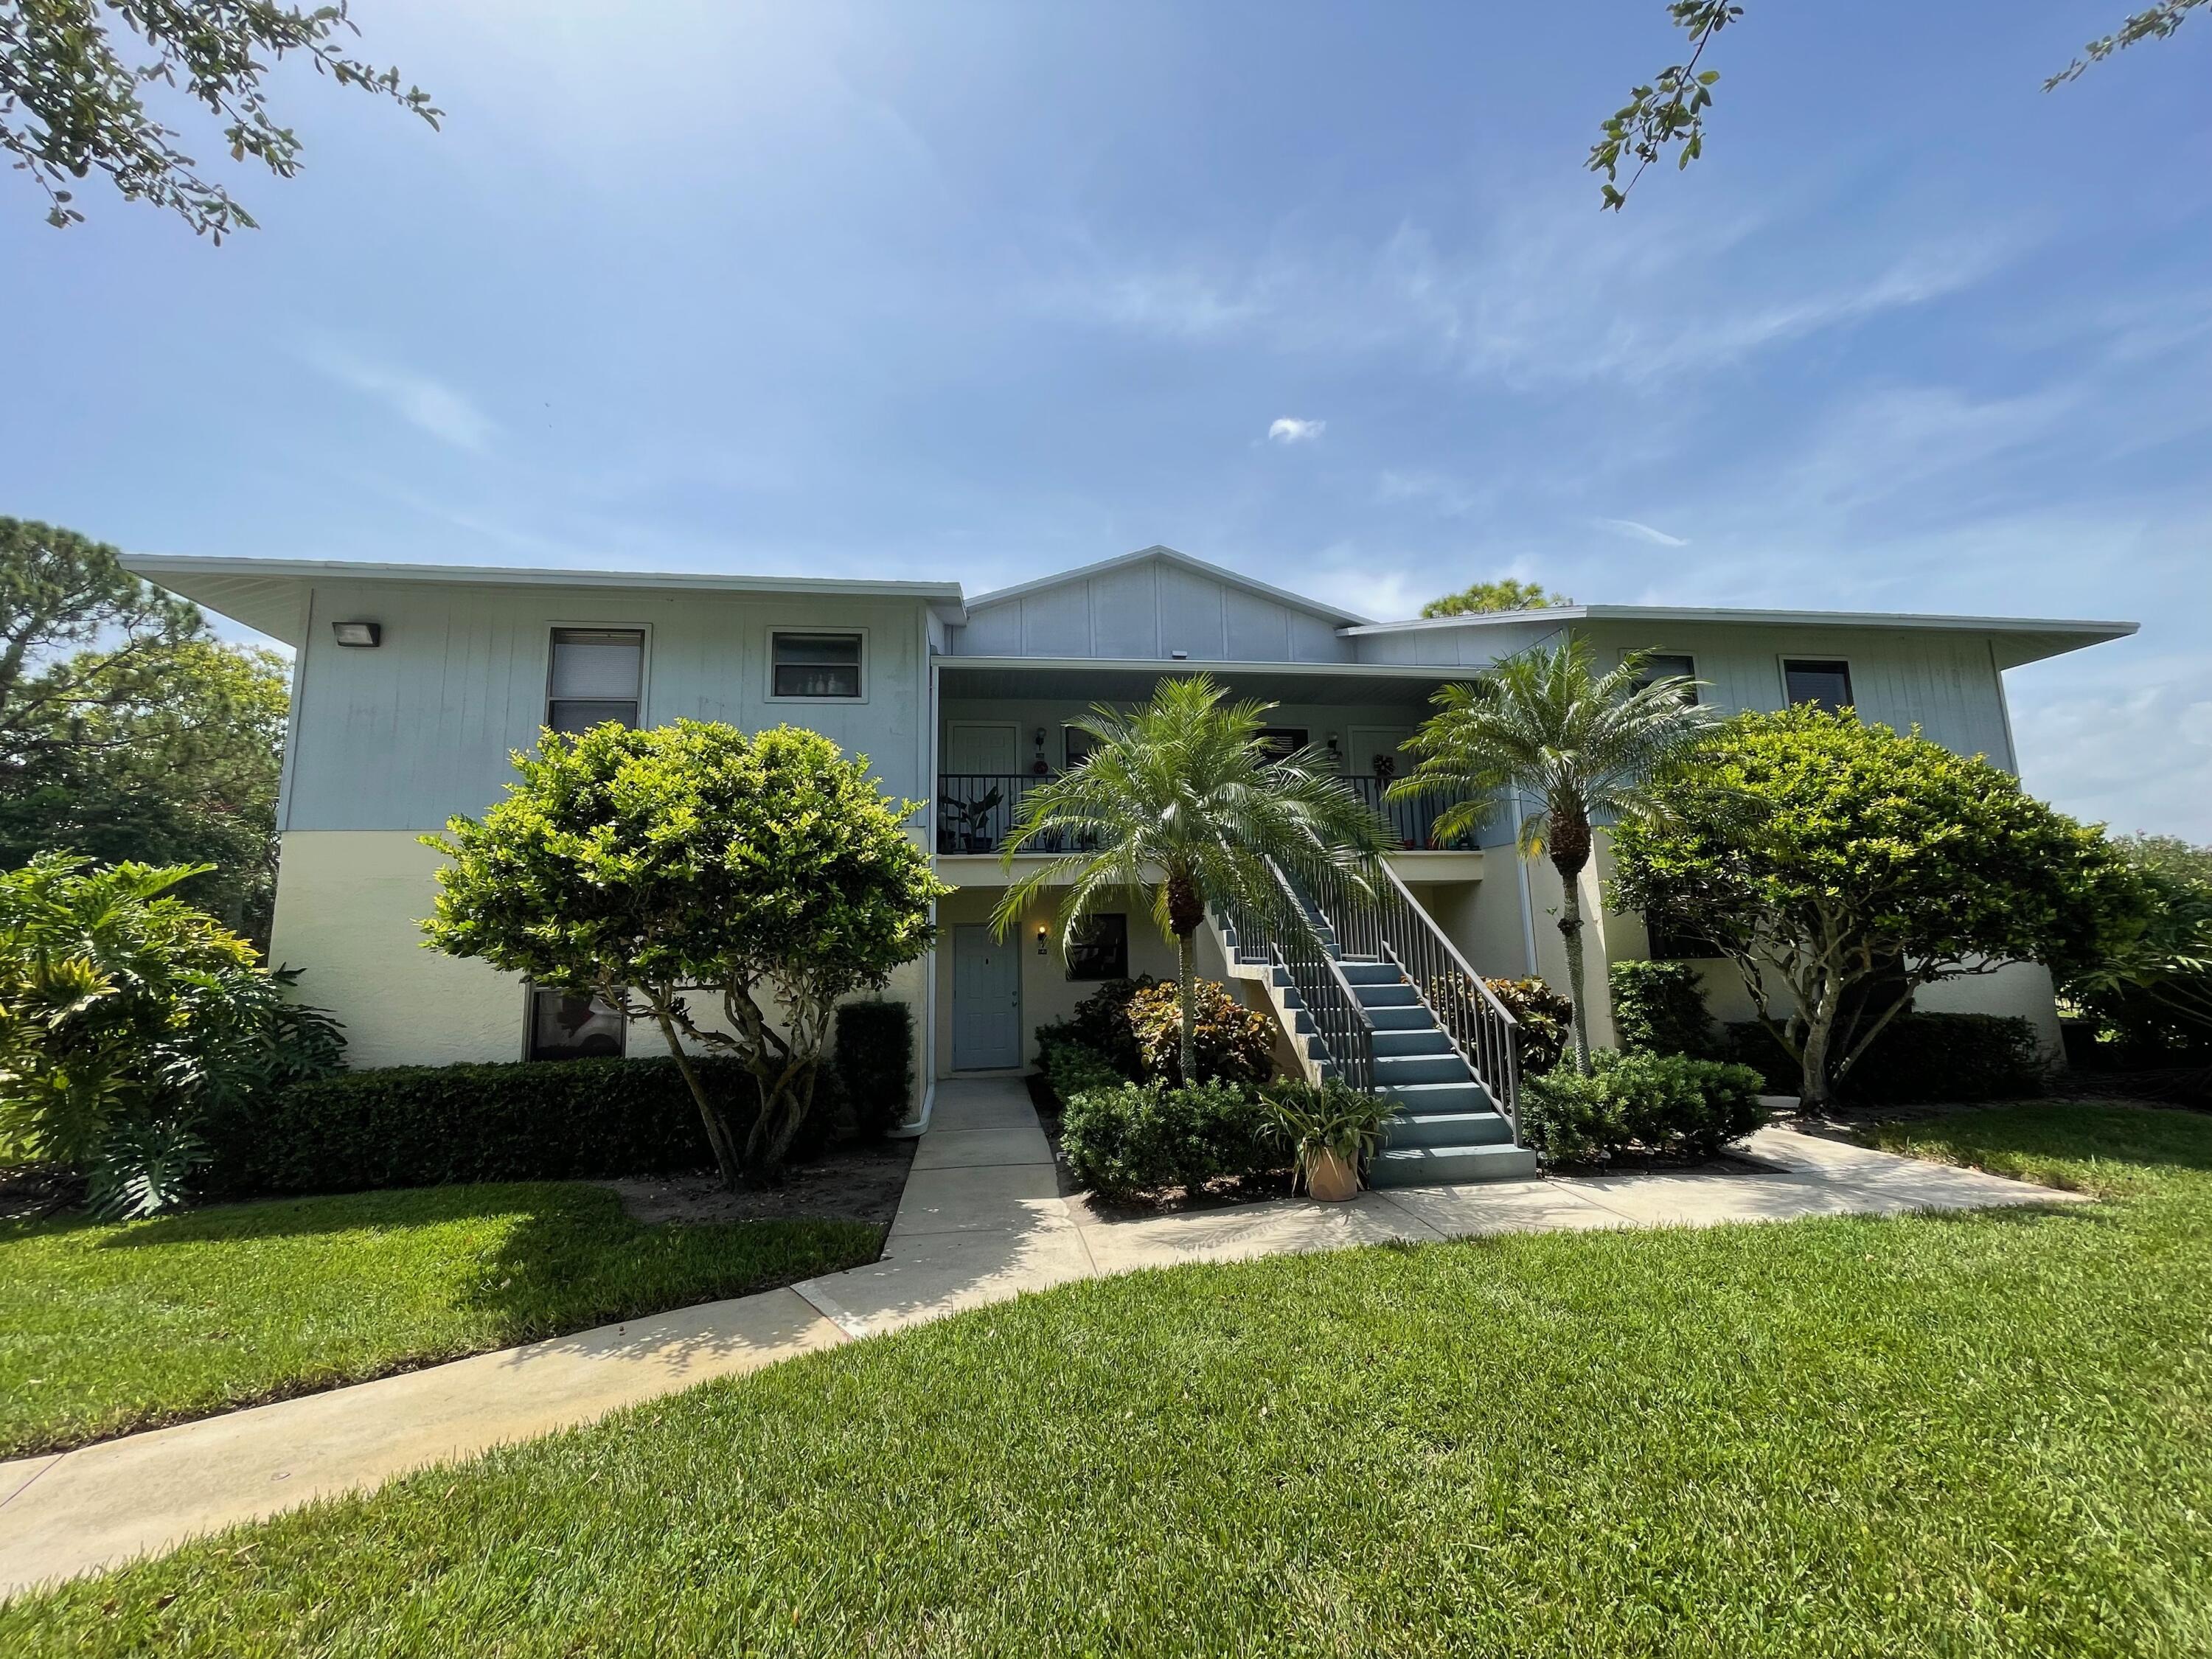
x,y
982,1220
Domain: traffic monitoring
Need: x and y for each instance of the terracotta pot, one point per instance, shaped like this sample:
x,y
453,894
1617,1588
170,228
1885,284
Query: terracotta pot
x,y
1331,1179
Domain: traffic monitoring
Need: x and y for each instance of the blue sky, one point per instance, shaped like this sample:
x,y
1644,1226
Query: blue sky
x,y
982,291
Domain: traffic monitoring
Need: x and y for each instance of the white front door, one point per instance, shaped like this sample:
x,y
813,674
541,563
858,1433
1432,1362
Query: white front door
x,y
987,1000
982,747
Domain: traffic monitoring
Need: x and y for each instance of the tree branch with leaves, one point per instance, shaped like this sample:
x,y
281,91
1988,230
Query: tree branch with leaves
x,y
71,76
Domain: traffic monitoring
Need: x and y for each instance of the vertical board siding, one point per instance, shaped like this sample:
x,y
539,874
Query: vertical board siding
x,y
405,735
1145,612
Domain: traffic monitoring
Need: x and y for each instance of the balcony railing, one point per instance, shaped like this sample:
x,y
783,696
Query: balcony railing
x,y
976,812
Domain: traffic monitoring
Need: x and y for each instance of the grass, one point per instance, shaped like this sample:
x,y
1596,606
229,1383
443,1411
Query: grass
x,y
106,1328
1963,1435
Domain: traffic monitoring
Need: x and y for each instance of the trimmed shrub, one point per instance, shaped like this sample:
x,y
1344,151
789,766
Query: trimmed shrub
x,y
1658,1009
1142,1137
1547,1021
874,1062
1100,1023
428,1126
1070,1067
1233,1042
1919,1060
1664,1103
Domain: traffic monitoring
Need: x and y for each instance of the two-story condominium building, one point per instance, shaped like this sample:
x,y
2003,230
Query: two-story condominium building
x,y
413,685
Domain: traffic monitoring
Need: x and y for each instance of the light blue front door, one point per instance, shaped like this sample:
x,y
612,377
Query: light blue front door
x,y
987,1000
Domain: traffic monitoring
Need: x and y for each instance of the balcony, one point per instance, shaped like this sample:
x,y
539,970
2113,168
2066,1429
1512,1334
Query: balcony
x,y
976,812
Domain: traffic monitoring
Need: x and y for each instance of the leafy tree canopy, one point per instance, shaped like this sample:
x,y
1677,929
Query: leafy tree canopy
x,y
1668,113
1827,854
765,874
127,731
72,73
2153,994
1504,594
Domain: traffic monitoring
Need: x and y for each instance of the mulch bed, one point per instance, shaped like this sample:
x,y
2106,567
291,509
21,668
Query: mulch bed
x,y
860,1182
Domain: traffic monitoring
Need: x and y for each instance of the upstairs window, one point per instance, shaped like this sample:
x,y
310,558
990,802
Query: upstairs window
x,y
815,664
1665,666
598,675
1824,682
566,1026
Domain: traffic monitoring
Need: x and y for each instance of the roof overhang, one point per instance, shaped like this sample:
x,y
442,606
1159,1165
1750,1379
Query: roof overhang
x,y
2014,639
269,595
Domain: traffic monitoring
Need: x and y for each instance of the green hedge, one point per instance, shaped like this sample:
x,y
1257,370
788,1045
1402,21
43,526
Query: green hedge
x,y
1919,1060
1667,1103
1144,1137
426,1126
1658,1009
874,1062
1070,1067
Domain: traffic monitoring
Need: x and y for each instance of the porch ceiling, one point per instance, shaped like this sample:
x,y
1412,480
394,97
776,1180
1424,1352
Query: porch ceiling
x,y
1014,678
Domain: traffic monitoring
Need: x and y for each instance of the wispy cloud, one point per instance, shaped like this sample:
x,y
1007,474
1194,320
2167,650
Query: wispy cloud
x,y
1532,298
431,405
1641,533
1292,430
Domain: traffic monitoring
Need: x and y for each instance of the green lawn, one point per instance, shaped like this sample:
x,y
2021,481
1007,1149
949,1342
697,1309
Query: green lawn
x,y
108,1329
1987,1434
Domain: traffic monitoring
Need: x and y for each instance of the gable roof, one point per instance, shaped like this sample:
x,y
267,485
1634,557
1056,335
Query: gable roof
x,y
1159,554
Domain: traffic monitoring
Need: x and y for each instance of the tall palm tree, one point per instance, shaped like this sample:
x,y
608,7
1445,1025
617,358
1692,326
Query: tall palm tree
x,y
1573,746
1184,796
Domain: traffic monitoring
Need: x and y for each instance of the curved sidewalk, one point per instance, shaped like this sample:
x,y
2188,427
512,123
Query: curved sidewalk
x,y
982,1219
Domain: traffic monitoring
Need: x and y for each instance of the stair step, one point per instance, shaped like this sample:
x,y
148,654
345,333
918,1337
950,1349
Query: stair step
x,y
1447,1129
1396,1070
1437,1166
1421,1098
1372,973
1427,1040
1406,1017
1400,995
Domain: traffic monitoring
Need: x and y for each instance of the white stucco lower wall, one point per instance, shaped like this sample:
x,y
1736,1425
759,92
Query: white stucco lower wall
x,y
348,902
348,906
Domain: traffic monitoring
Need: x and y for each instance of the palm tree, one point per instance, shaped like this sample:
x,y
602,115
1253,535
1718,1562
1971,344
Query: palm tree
x,y
1573,746
1182,795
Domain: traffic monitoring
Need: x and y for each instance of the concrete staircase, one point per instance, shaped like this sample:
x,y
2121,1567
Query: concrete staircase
x,y
1447,1128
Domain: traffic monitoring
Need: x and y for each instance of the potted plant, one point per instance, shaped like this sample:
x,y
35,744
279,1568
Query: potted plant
x,y
1333,1130
974,820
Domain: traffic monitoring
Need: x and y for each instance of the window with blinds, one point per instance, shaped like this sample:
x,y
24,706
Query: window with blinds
x,y
598,675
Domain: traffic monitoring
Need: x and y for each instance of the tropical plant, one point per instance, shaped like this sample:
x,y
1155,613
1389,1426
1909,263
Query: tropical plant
x,y
1546,1021
1186,796
1328,1117
126,1016
1850,865
1230,1040
765,873
1569,746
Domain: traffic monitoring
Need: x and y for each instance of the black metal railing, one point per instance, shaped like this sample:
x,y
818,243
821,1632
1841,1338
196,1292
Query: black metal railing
x,y
976,812
1272,933
1412,824
1385,922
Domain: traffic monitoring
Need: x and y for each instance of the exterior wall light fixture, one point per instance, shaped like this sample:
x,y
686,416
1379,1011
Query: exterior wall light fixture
x,y
1043,949
358,632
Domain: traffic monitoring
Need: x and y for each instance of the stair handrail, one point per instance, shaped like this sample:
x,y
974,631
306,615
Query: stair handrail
x,y
1340,1020
1392,924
